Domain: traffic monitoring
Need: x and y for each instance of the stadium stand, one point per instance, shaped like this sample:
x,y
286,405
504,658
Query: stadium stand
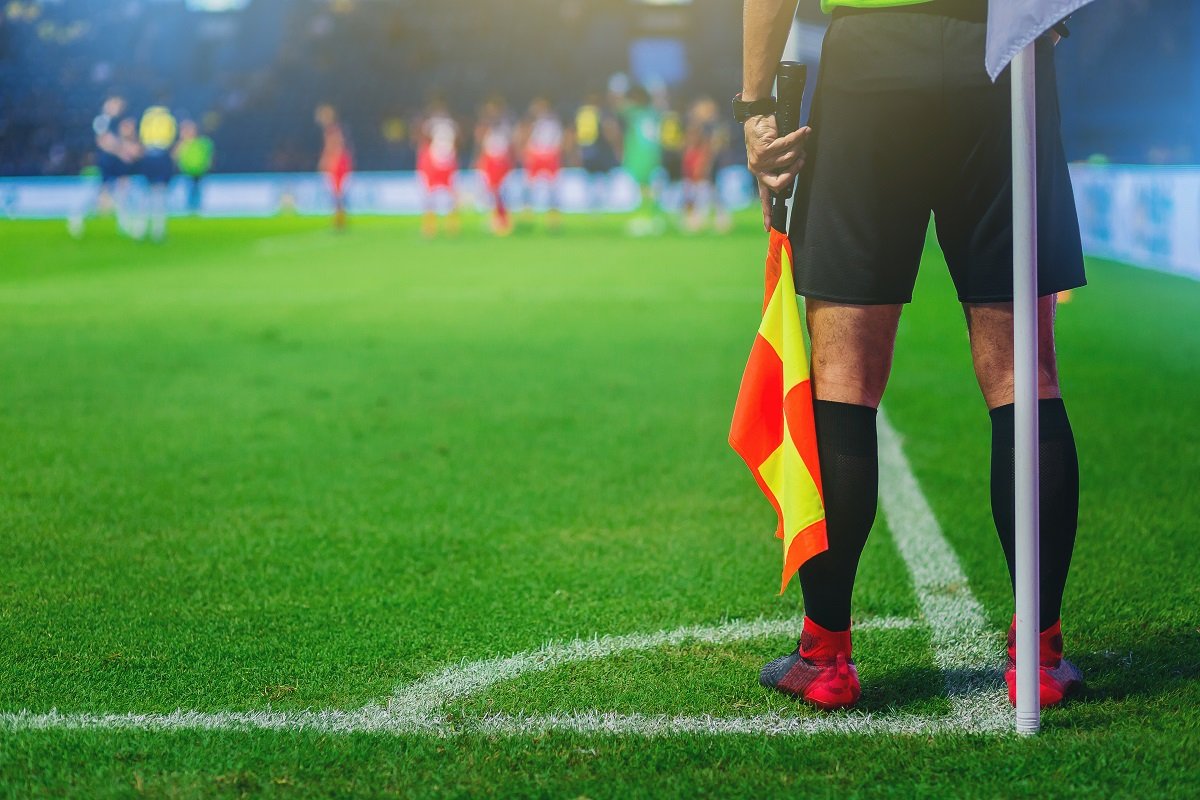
x,y
257,73
253,76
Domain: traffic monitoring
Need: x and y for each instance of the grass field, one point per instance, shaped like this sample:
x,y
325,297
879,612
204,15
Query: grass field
x,y
265,468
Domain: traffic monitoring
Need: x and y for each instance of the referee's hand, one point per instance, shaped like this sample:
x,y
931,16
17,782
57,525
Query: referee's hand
x,y
774,160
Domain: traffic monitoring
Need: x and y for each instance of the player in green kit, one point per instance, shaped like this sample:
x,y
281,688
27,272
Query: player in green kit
x,y
642,158
194,155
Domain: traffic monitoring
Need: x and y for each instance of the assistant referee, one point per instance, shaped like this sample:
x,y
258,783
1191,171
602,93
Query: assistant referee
x,y
905,124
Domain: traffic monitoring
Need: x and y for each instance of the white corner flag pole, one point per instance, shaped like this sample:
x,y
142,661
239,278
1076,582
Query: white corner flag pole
x,y
1025,375
1013,27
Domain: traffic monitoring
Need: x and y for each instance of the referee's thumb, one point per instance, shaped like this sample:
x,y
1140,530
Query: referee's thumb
x,y
798,136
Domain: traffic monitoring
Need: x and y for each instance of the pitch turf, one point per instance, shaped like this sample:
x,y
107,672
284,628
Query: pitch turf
x,y
267,467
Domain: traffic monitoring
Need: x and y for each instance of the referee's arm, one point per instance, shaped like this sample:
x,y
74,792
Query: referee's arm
x,y
774,161
765,28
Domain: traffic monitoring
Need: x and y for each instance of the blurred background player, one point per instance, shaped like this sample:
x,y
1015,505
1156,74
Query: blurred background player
x,y
336,162
194,157
641,158
110,163
542,139
437,165
705,141
597,137
157,133
671,136
131,218
494,146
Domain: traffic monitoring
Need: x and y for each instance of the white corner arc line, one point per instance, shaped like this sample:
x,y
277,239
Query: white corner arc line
x,y
429,694
965,651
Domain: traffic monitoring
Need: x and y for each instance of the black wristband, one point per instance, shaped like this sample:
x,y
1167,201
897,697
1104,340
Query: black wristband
x,y
744,110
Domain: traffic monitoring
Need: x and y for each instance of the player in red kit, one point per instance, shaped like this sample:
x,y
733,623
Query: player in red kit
x,y
336,160
494,144
705,139
437,165
542,138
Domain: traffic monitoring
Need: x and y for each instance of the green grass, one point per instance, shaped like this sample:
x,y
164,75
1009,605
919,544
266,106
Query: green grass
x,y
266,466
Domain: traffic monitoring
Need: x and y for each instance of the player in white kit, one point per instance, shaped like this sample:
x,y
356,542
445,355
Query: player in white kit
x,y
437,165
494,137
541,143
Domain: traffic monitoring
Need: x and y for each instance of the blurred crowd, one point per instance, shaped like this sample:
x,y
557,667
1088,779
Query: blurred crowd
x,y
518,154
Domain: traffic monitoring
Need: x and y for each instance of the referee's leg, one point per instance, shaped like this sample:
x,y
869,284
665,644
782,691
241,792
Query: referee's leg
x,y
852,356
852,349
991,330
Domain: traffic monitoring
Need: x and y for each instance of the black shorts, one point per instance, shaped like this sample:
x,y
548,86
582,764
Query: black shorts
x,y
598,159
672,161
111,168
906,123
157,167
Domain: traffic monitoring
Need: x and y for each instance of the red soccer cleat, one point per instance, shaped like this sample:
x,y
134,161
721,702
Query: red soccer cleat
x,y
1059,677
819,671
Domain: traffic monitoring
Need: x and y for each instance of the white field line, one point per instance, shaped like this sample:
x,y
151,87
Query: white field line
x,y
965,651
378,720
321,721
852,722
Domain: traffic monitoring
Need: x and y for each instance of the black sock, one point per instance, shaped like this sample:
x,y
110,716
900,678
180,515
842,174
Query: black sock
x,y
1059,498
848,449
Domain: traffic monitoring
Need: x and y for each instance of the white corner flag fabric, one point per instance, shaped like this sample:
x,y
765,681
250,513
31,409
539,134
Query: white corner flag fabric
x,y
1012,24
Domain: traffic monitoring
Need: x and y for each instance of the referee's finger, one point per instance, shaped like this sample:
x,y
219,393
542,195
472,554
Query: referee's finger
x,y
773,154
777,182
780,161
792,141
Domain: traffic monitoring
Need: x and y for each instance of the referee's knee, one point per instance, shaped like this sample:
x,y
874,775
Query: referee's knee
x,y
846,385
998,389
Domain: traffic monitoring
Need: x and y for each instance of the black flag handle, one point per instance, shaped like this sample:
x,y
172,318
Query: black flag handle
x,y
790,81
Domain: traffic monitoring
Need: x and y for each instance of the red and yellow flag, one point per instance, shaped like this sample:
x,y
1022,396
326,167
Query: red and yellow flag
x,y
773,428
